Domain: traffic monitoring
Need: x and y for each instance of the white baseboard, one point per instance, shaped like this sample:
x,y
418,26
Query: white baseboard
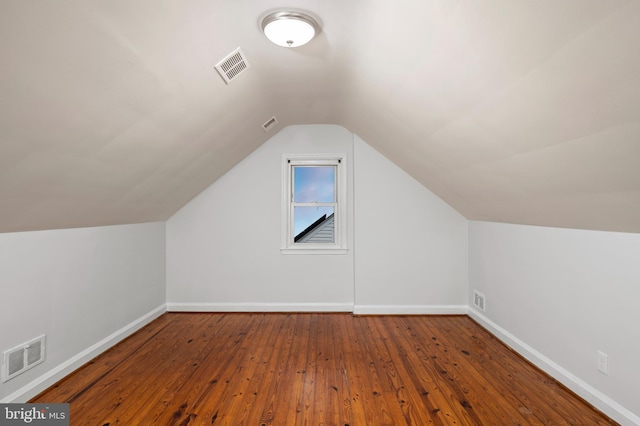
x,y
260,307
578,386
320,307
52,376
410,309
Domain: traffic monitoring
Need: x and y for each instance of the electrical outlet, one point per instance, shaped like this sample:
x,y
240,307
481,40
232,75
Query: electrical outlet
x,y
478,300
603,362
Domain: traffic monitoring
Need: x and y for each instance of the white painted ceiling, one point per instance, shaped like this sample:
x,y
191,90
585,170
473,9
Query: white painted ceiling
x,y
520,111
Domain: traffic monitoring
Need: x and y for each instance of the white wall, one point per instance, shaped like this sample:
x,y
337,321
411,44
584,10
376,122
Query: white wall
x,y
561,295
79,287
223,248
411,247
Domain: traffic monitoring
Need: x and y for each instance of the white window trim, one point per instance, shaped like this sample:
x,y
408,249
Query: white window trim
x,y
340,214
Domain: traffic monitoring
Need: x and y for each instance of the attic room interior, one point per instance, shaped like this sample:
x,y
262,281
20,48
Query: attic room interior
x,y
484,163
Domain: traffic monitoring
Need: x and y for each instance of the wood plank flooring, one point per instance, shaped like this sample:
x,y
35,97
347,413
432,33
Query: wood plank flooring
x,y
315,369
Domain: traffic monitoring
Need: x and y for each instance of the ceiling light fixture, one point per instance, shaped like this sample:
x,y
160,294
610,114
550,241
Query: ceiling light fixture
x,y
289,29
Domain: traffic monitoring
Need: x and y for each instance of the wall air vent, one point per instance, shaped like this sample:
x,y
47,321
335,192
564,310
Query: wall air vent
x,y
268,125
23,357
232,66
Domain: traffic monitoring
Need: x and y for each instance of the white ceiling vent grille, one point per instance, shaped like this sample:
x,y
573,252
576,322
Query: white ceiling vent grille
x,y
232,66
268,125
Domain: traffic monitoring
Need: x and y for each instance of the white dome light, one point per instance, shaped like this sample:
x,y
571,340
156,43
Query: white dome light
x,y
289,29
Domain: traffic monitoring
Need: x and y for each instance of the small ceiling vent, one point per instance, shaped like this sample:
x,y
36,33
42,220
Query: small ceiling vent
x,y
268,125
232,66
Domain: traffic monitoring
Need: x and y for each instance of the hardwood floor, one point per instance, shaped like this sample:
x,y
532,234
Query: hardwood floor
x,y
315,369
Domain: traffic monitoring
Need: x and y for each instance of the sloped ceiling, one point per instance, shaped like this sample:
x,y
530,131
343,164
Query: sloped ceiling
x,y
512,111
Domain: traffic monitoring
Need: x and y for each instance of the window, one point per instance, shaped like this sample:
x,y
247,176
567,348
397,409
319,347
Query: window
x,y
314,204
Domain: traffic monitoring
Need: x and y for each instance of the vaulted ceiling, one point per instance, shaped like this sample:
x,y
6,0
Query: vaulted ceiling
x,y
520,111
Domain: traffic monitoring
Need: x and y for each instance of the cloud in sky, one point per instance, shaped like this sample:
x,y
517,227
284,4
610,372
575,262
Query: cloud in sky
x,y
314,184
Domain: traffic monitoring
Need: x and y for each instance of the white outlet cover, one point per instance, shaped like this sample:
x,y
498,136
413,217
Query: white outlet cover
x,y
603,363
479,301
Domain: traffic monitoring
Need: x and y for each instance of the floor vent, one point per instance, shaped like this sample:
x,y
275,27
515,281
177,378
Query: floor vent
x,y
478,300
232,66
268,125
22,358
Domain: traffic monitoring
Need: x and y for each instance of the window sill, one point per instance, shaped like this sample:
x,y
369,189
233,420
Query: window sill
x,y
313,250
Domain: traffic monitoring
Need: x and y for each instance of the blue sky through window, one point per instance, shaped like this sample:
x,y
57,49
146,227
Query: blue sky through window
x,y
312,184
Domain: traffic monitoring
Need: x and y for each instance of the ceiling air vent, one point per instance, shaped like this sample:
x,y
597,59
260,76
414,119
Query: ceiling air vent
x,y
268,125
232,66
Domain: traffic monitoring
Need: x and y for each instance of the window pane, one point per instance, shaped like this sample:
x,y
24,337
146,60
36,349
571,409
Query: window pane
x,y
313,225
314,184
